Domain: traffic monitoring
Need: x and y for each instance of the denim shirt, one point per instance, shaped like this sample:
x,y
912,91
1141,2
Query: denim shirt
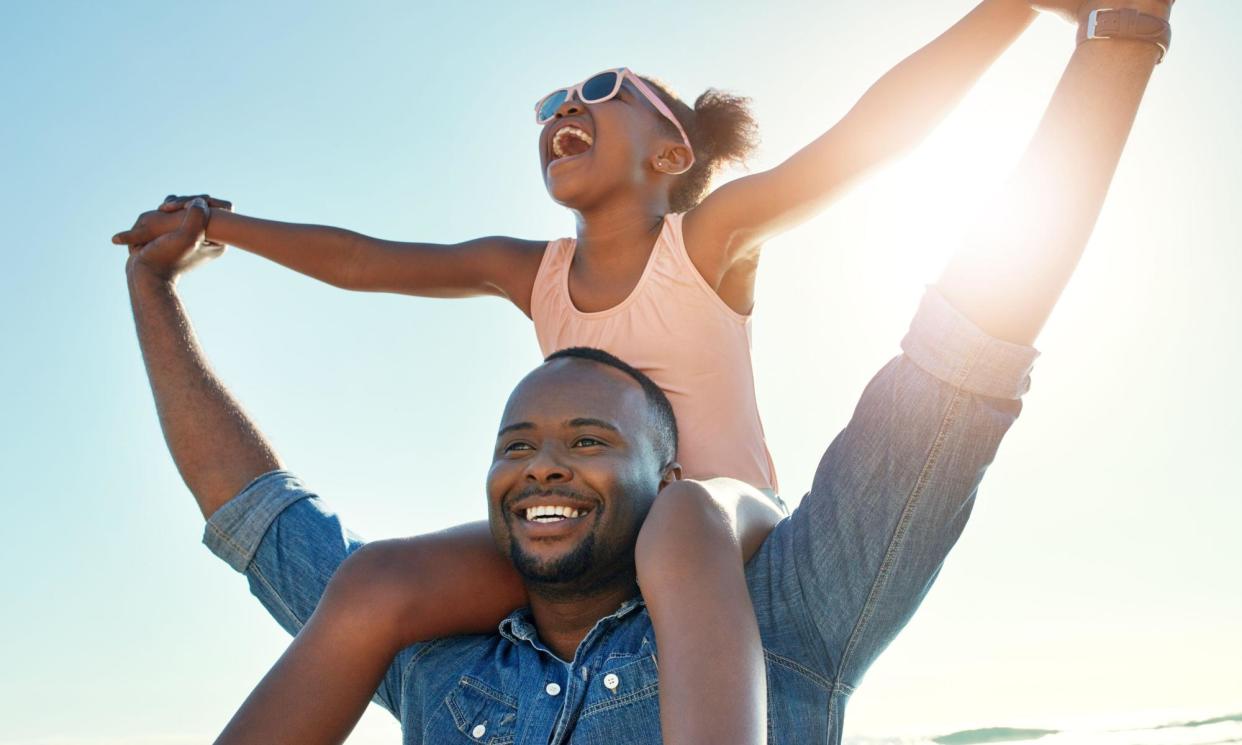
x,y
832,585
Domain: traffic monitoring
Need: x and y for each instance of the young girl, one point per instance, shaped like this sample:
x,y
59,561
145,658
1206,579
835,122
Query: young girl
x,y
661,273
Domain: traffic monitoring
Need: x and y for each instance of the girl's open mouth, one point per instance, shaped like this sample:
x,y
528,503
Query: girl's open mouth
x,y
569,141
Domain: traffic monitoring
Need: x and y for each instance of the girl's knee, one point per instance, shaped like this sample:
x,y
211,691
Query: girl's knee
x,y
700,521
686,505
686,523
376,587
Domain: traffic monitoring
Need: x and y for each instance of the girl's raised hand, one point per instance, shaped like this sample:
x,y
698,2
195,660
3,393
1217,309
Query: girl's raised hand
x,y
172,202
169,250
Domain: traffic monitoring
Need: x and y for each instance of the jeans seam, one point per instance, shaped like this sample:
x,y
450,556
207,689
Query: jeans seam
x,y
840,687
258,573
897,542
802,670
227,539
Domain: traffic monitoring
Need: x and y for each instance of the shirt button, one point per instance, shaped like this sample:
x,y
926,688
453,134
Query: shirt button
x,y
479,730
611,681
552,689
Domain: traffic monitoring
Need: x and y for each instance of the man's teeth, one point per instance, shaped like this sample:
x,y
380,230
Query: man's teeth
x,y
550,514
558,139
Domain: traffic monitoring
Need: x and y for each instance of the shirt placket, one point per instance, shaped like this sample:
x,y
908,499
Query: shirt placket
x,y
565,693
577,685
562,691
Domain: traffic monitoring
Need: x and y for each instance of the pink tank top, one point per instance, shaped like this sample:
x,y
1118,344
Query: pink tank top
x,y
677,330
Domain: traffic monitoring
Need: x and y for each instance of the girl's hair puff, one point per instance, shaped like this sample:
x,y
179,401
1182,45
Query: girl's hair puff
x,y
721,129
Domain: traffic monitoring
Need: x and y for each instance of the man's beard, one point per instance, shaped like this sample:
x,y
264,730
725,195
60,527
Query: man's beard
x,y
559,571
582,572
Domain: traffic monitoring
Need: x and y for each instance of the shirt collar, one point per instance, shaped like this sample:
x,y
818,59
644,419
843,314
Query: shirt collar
x,y
519,626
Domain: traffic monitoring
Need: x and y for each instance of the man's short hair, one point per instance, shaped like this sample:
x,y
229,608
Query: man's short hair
x,y
665,421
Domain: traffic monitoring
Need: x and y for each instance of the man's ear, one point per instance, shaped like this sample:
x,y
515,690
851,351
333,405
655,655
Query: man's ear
x,y
673,160
672,472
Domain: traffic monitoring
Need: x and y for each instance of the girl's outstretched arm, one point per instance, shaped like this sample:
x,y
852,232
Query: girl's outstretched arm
x,y
894,115
494,265
690,554
386,596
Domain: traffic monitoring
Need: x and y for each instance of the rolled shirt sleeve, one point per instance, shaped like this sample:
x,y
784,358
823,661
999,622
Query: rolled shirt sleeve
x,y
892,492
286,542
953,349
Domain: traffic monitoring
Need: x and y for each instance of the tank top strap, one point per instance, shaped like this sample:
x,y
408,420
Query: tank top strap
x,y
672,233
670,259
677,253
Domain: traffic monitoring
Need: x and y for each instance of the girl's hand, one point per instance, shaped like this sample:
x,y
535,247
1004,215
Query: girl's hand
x,y
172,203
167,251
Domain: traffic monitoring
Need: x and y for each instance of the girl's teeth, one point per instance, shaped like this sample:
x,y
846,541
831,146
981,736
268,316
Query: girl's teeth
x,y
559,138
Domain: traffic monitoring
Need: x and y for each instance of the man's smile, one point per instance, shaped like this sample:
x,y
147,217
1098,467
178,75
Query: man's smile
x,y
549,526
548,515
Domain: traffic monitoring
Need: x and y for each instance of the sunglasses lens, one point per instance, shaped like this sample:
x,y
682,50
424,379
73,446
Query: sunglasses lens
x,y
549,105
599,88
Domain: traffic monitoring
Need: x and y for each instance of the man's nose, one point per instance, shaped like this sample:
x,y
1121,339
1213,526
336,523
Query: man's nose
x,y
547,468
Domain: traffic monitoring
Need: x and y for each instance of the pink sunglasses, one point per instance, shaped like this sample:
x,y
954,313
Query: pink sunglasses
x,y
599,88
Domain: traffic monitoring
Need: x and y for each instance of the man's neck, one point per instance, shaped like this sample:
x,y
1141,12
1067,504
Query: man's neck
x,y
563,622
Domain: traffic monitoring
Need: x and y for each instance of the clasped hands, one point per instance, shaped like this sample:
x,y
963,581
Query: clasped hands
x,y
171,240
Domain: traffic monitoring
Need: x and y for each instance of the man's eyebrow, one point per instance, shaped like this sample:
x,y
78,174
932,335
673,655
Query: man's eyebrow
x,y
515,426
584,421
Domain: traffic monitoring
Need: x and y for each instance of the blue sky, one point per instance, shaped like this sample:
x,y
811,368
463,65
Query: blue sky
x,y
1099,572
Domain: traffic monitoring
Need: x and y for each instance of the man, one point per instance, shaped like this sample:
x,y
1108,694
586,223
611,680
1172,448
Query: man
x,y
832,584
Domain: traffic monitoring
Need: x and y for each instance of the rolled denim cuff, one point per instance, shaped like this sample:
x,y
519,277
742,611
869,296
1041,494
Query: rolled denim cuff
x,y
949,346
235,530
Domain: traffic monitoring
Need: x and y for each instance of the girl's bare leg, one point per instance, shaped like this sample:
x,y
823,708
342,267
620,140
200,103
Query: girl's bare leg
x,y
690,555
386,596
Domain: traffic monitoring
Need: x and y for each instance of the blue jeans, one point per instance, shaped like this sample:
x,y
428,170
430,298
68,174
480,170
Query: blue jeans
x,y
832,585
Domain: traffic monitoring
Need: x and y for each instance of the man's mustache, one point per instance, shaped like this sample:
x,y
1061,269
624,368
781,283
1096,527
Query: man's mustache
x,y
545,491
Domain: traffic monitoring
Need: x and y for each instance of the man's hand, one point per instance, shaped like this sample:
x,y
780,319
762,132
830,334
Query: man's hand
x,y
216,447
168,244
172,203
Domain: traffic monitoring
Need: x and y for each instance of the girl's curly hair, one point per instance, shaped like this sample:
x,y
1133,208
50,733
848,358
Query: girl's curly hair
x,y
721,129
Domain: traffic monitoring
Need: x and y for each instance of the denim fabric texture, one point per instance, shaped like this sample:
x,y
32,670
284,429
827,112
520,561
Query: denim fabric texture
x,y
832,585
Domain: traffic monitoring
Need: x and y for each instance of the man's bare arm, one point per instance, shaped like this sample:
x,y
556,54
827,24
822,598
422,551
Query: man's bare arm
x,y
216,447
1028,240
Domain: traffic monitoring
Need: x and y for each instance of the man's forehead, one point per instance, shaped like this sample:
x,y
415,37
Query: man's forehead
x,y
569,389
